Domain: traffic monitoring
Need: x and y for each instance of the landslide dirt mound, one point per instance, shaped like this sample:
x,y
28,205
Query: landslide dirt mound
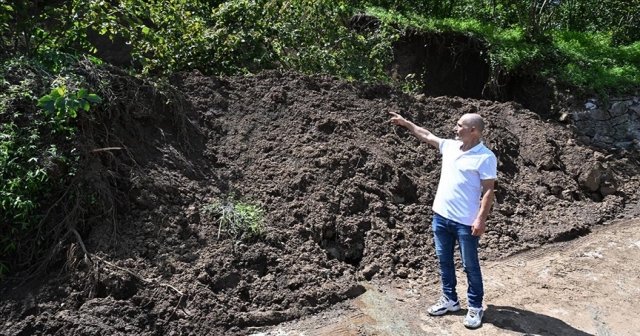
x,y
347,197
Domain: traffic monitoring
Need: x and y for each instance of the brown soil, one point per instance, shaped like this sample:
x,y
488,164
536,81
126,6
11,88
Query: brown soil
x,y
347,199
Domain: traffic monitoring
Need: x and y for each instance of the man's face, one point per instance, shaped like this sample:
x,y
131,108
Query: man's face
x,y
463,130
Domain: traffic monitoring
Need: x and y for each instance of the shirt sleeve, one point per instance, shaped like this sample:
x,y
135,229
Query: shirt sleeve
x,y
443,145
488,169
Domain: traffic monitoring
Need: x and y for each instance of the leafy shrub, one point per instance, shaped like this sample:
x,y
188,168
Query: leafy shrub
x,y
33,167
64,105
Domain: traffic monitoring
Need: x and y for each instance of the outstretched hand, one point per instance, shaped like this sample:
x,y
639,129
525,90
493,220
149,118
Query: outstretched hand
x,y
421,133
398,119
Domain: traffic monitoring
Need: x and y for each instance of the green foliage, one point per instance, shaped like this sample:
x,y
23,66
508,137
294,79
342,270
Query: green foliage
x,y
246,36
427,8
589,60
239,220
64,105
223,38
29,149
24,30
538,19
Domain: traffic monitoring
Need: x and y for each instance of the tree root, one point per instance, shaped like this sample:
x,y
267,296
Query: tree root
x,y
91,259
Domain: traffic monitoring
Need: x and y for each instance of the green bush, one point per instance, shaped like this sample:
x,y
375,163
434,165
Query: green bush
x,y
30,151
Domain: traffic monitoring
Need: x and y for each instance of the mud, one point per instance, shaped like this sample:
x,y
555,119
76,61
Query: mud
x,y
347,199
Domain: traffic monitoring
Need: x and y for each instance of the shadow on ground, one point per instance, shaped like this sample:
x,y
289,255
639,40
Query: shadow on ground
x,y
528,322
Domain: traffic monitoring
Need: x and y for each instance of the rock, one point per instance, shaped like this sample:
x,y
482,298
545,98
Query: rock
x,y
567,195
542,190
546,164
605,139
521,210
188,257
402,272
354,290
370,270
585,140
599,156
618,109
610,126
591,176
600,115
624,144
204,278
581,115
608,185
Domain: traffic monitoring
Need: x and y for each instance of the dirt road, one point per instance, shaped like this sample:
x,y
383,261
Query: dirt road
x,y
589,286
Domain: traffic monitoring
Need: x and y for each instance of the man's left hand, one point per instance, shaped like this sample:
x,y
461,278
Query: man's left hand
x,y
478,227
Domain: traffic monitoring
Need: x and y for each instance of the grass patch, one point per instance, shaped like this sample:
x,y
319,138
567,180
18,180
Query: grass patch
x,y
239,220
591,61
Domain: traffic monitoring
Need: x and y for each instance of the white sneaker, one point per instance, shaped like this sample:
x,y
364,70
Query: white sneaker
x,y
443,306
474,318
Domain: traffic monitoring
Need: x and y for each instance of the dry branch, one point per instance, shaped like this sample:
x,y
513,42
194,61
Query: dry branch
x,y
105,149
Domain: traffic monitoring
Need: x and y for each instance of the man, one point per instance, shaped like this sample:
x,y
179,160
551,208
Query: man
x,y
461,206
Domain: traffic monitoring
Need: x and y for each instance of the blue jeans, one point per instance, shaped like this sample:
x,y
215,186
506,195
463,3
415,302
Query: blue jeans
x,y
446,232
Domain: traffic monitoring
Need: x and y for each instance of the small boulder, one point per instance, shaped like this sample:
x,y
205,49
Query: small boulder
x,y
591,176
370,270
402,272
546,164
619,109
583,139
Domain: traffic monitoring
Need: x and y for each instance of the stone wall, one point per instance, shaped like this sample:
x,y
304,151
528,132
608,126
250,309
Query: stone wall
x,y
613,125
611,129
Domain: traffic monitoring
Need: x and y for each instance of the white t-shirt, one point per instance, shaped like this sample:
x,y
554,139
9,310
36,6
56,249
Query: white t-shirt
x,y
460,188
